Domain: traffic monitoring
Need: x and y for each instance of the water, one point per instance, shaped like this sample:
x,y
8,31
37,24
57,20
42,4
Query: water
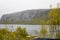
x,y
31,29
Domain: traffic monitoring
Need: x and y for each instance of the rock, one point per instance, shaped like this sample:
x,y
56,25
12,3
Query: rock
x,y
24,17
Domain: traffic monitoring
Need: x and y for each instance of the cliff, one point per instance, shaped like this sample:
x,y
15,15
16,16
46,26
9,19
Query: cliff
x,y
25,17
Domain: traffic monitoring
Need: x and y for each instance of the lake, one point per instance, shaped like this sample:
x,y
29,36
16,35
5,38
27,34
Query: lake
x,y
31,29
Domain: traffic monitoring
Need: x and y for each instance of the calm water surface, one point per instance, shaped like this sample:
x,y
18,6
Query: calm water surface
x,y
31,29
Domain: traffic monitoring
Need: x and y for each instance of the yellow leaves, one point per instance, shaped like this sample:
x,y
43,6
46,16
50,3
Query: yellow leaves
x,y
1,36
53,13
49,36
52,21
42,22
49,22
3,31
54,16
43,31
19,34
11,36
58,35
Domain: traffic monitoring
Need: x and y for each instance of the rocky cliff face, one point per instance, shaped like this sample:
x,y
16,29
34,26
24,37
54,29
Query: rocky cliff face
x,y
24,17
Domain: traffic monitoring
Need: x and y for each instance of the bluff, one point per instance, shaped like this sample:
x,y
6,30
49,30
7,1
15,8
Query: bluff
x,y
25,17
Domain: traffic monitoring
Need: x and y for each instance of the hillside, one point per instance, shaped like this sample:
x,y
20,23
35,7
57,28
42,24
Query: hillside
x,y
25,17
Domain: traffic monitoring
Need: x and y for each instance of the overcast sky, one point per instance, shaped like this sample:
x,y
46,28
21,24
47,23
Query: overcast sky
x,y
10,6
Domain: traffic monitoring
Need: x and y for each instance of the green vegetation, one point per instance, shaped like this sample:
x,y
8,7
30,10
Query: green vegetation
x,y
53,21
19,34
43,32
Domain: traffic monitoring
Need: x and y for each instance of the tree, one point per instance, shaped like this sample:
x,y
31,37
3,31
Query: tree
x,y
43,30
3,34
54,20
53,16
21,33
58,35
11,36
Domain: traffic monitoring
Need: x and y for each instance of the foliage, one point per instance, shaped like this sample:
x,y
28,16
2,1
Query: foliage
x,y
58,35
19,34
53,21
54,16
43,32
3,33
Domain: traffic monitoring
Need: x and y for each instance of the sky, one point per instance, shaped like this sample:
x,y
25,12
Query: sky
x,y
11,6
